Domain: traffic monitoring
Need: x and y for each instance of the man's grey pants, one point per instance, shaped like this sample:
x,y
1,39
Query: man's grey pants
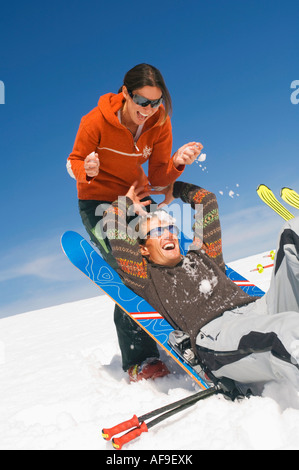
x,y
260,342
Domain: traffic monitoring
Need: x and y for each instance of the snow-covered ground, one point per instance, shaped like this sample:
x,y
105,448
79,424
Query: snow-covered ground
x,y
62,382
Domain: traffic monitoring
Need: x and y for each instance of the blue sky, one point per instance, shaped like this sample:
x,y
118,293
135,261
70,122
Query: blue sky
x,y
228,64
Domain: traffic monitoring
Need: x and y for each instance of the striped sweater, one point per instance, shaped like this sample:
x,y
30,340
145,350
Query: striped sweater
x,y
194,292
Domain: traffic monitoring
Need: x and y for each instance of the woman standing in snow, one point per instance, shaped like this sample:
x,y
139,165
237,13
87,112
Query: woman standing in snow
x,y
123,132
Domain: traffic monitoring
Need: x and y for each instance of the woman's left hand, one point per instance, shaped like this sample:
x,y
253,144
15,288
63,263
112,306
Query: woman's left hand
x,y
136,193
187,154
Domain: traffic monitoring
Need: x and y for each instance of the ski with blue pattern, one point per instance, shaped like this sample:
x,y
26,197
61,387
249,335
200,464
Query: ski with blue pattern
x,y
89,262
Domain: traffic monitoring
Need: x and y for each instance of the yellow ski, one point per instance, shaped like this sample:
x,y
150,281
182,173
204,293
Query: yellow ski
x,y
290,196
269,198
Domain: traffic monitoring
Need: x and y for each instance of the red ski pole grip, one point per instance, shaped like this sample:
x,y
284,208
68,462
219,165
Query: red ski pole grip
x,y
118,442
125,426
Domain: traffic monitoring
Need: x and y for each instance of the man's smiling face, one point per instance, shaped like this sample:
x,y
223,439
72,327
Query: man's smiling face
x,y
163,249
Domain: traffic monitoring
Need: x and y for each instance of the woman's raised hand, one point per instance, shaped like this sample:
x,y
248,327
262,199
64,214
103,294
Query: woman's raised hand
x,y
92,165
187,154
136,193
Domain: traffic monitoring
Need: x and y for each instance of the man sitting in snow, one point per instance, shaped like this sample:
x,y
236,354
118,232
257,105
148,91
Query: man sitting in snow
x,y
234,335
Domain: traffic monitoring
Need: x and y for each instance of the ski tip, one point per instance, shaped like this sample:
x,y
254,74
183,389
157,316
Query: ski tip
x,y
68,234
284,190
67,238
64,236
262,185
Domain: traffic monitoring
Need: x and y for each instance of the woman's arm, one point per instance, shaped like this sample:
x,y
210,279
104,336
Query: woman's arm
x,y
161,169
164,170
83,163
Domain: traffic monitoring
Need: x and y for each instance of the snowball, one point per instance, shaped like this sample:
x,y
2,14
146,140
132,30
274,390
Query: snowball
x,y
202,157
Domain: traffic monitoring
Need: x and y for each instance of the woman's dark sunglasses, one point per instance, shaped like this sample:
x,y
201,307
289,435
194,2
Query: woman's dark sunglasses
x,y
158,232
144,102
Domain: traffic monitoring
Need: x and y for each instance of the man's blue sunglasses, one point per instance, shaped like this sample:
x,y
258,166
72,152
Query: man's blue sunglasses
x,y
159,231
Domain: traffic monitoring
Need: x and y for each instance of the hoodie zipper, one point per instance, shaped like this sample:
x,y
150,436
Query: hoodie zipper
x,y
132,136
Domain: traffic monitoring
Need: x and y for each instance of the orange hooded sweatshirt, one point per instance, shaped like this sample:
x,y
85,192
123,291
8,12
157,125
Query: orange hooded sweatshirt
x,y
121,158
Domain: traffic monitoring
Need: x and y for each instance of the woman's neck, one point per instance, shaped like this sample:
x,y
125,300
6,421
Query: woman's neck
x,y
127,121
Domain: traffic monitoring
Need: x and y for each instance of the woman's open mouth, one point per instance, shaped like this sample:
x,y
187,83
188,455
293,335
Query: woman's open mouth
x,y
142,116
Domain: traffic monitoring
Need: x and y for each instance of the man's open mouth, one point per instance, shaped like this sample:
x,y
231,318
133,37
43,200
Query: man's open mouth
x,y
168,246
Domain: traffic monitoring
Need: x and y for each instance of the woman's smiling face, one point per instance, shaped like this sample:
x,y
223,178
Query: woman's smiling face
x,y
139,114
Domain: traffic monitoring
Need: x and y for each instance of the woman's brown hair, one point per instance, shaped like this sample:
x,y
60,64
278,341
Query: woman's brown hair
x,y
147,75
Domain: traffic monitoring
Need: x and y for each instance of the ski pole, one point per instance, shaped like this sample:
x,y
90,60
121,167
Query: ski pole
x,y
108,433
136,422
270,255
260,268
118,442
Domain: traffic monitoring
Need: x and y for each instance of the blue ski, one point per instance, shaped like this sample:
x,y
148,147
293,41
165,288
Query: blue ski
x,y
89,262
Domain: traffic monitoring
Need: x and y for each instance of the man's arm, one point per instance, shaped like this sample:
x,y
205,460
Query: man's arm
x,y
207,229
125,244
